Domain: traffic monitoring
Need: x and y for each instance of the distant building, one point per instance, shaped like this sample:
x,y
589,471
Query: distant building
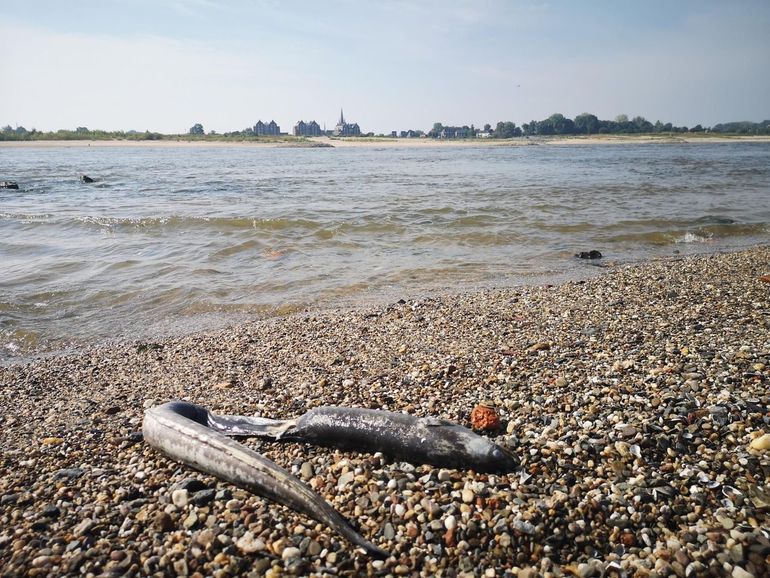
x,y
346,129
303,128
455,132
267,129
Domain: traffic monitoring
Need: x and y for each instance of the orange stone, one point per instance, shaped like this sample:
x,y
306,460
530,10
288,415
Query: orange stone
x,y
765,278
484,418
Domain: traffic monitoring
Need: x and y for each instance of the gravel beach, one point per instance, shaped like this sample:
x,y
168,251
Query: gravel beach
x,y
637,402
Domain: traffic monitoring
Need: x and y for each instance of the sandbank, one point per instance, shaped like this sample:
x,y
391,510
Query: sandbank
x,y
385,142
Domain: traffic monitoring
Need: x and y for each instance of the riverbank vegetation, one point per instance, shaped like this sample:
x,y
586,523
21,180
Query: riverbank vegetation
x,y
20,133
555,125
589,124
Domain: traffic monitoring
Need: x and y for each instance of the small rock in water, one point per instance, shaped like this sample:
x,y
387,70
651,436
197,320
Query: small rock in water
x,y
593,254
86,179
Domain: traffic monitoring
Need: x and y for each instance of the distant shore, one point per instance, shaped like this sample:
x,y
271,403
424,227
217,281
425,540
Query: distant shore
x,y
378,142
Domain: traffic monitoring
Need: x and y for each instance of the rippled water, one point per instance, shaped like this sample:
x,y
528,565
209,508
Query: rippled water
x,y
170,239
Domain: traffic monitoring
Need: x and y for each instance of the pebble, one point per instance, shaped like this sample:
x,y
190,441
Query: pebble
x,y
761,443
180,498
290,553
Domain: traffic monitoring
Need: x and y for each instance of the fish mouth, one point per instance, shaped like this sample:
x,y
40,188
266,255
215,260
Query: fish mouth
x,y
504,458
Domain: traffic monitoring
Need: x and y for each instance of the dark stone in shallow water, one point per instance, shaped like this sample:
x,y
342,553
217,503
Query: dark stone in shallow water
x,y
593,254
9,185
86,179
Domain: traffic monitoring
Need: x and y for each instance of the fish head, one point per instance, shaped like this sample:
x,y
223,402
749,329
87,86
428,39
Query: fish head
x,y
502,459
472,451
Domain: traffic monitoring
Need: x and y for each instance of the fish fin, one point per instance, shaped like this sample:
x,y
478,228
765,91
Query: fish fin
x,y
283,428
248,426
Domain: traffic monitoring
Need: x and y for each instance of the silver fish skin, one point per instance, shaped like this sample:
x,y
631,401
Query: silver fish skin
x,y
181,431
418,440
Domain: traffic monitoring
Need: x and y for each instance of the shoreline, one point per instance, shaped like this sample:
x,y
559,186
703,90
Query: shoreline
x,y
636,400
379,142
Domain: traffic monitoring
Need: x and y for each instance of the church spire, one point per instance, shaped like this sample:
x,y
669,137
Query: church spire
x,y
342,117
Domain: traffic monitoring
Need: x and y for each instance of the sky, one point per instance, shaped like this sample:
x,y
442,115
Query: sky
x,y
164,65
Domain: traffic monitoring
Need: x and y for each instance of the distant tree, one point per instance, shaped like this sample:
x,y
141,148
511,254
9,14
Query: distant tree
x,y
697,128
642,124
586,123
487,127
197,129
621,119
21,130
81,130
8,128
436,130
506,130
561,124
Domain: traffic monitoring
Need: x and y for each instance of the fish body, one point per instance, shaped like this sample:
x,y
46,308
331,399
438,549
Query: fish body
x,y
175,429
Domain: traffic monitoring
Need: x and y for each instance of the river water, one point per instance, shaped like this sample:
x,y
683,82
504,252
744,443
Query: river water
x,y
175,239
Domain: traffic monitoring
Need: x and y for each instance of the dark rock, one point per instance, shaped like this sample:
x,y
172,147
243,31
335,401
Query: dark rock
x,y
9,185
9,499
203,497
86,179
192,485
51,511
224,494
593,254
135,437
71,473
163,522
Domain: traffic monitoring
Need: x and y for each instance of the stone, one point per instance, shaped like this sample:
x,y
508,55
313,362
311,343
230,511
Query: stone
x,y
249,544
485,418
162,522
761,443
180,498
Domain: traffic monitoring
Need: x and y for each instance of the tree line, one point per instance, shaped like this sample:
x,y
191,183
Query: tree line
x,y
80,133
556,124
588,124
